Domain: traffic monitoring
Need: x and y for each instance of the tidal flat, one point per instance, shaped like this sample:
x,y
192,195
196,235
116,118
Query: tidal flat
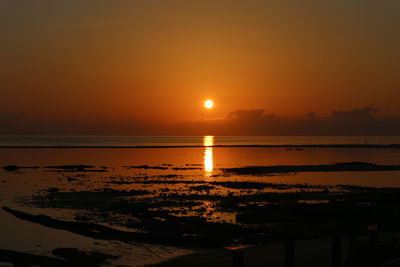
x,y
148,208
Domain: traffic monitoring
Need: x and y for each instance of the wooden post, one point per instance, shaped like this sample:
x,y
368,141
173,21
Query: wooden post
x,y
395,242
289,253
374,238
374,244
237,258
237,255
351,242
336,250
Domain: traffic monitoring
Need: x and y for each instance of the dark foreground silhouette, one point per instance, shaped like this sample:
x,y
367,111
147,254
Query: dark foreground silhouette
x,y
70,257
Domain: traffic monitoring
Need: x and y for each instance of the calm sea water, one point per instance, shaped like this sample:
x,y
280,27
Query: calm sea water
x,y
127,141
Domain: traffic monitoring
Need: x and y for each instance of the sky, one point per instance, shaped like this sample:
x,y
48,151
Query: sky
x,y
93,66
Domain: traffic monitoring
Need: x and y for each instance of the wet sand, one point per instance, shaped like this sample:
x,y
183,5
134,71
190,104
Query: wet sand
x,y
158,209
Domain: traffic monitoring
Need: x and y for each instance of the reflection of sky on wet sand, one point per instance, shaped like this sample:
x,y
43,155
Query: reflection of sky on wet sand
x,y
183,171
203,159
208,142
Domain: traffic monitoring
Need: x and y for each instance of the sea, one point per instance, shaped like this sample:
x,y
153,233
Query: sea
x,y
187,141
42,164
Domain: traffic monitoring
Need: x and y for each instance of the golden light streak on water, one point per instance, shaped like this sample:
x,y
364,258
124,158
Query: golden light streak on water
x,y
208,142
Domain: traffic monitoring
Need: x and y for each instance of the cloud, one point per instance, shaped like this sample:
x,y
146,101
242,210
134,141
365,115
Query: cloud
x,y
311,115
359,121
247,115
356,114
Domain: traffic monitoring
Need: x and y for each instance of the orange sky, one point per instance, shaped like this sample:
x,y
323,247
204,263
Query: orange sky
x,y
99,60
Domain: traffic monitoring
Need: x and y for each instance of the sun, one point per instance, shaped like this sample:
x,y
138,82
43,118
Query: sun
x,y
208,104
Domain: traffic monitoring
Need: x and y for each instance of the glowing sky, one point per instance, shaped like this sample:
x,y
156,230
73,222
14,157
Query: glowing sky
x,y
101,60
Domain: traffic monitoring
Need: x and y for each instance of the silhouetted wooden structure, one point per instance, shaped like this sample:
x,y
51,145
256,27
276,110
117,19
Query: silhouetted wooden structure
x,y
359,254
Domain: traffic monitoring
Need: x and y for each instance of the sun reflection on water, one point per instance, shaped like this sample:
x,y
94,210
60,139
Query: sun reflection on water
x,y
208,142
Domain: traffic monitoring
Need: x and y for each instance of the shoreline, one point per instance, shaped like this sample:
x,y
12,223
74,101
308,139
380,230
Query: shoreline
x,y
363,146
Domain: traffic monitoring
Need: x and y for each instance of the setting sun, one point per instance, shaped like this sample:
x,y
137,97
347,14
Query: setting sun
x,y
209,104
144,129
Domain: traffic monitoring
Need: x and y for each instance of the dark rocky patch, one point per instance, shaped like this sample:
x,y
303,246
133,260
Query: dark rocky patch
x,y
202,188
338,167
71,257
16,168
146,167
79,167
27,259
185,168
188,231
76,168
82,258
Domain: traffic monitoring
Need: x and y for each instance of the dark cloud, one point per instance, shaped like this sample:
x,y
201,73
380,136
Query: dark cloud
x,y
311,115
356,114
359,121
246,115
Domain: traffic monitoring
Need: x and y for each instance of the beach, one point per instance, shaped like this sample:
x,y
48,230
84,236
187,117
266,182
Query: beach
x,y
138,206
